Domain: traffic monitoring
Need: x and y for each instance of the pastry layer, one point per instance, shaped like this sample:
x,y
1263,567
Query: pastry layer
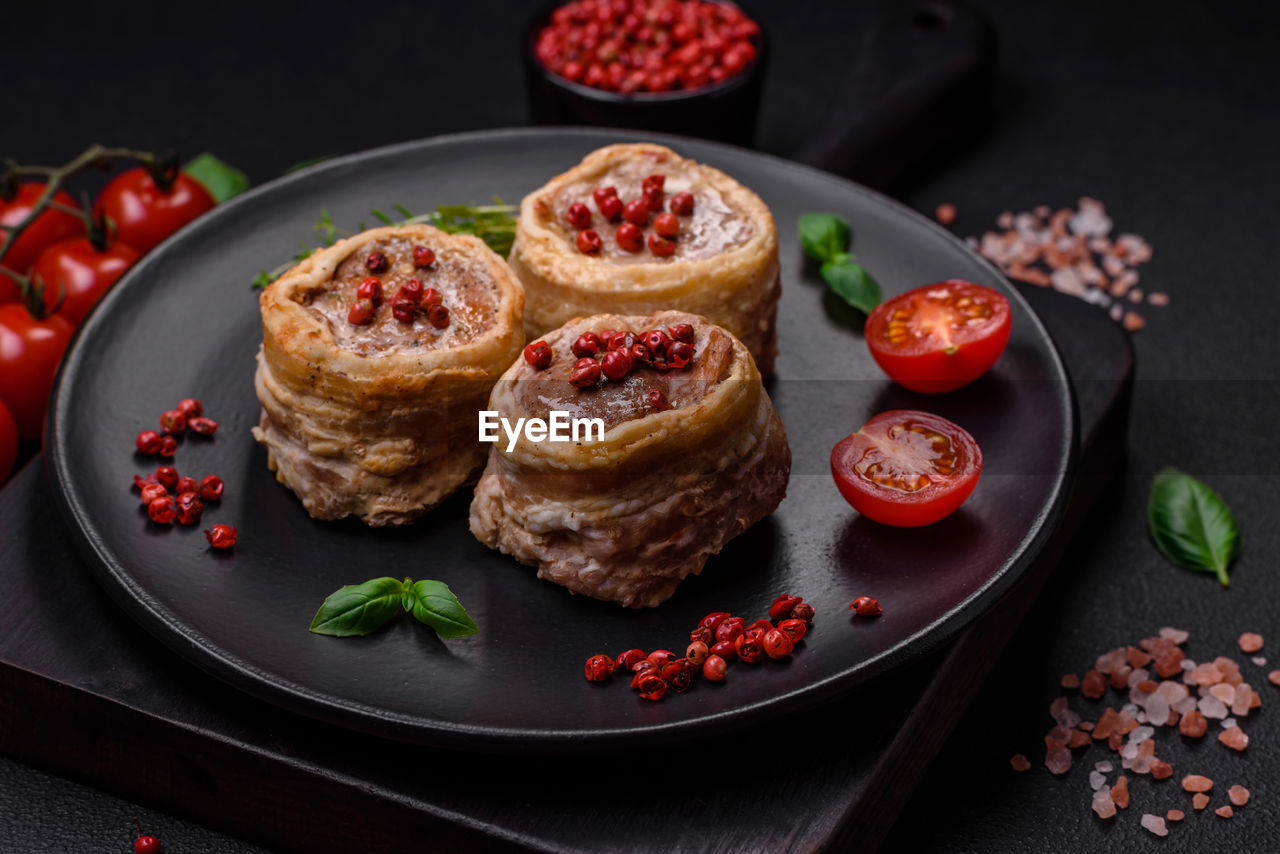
x,y
379,421
627,518
725,265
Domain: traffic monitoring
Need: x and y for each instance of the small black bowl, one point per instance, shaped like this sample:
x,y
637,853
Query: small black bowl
x,y
725,111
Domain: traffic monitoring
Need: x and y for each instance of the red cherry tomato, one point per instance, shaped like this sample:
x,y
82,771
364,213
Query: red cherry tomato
x,y
30,351
144,215
50,227
84,273
939,337
906,468
8,443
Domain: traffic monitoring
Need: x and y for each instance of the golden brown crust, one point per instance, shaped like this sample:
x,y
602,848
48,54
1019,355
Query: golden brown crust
x,y
384,435
737,288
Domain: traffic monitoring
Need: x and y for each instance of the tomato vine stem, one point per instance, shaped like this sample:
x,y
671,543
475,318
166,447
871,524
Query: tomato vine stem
x,y
55,177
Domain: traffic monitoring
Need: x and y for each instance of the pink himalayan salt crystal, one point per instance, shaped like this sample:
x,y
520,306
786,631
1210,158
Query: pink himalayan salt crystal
x,y
1058,761
1224,692
1174,815
1260,660
1196,783
1020,763
1157,710
1070,681
1212,707
1137,677
1228,723
1110,662
1235,738
1185,706
1204,674
1094,684
1243,701
1102,804
1172,691
1250,642
1175,635
1155,824
1225,811
1230,669
1096,780
1274,677
1060,712
1120,792
1200,801
1104,766
1238,794
1161,770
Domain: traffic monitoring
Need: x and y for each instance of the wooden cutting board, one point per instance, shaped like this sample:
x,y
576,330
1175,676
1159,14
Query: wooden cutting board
x,y
87,694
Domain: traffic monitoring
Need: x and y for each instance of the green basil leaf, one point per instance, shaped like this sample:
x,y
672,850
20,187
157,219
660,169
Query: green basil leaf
x,y
1191,525
359,609
222,181
822,236
852,284
435,605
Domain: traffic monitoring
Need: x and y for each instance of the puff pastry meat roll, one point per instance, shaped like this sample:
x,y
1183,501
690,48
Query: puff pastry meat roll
x,y
637,228
692,453
377,353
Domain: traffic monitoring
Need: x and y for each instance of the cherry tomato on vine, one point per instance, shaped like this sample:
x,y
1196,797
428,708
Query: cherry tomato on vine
x,y
143,213
906,468
939,337
30,351
50,227
8,442
84,273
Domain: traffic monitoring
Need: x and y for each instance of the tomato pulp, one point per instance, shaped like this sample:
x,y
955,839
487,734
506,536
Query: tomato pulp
x,y
75,271
907,468
939,337
143,214
50,227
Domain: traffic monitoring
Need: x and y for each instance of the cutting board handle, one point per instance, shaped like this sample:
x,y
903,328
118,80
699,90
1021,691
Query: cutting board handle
x,y
919,87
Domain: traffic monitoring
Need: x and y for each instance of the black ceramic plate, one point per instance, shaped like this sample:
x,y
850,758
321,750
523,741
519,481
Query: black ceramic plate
x,y
184,322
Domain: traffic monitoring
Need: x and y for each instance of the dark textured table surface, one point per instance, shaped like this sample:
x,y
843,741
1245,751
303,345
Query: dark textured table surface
x,y
1168,114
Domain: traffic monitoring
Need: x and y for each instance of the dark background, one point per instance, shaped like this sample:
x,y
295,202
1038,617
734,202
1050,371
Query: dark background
x,y
1168,113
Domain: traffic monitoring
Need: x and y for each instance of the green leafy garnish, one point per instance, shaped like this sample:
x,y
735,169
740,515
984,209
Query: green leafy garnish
x,y
825,238
495,224
1191,525
823,235
360,609
222,181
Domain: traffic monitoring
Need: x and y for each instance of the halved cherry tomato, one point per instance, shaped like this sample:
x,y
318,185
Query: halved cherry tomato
x,y
8,442
939,337
906,468
50,227
30,351
143,214
83,272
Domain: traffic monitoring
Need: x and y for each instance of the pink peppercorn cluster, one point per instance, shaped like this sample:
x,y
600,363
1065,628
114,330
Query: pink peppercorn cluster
x,y
620,354
718,639
170,497
635,216
187,415
411,297
630,46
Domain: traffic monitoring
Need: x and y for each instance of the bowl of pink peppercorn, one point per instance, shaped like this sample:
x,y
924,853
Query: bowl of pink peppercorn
x,y
691,67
